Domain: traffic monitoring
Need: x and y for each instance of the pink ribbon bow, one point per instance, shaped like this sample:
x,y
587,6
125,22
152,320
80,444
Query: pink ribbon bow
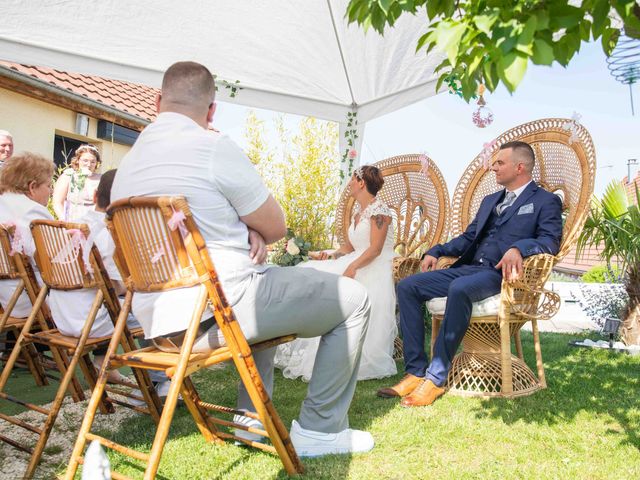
x,y
69,252
424,161
177,221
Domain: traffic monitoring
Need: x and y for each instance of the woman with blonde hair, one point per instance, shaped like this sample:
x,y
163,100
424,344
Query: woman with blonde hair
x,y
74,189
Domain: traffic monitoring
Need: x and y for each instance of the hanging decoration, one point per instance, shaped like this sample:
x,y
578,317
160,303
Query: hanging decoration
x,y
424,161
572,126
350,153
624,63
483,115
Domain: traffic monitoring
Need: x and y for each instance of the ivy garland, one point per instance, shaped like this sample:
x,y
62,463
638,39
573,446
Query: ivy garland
x,y
350,153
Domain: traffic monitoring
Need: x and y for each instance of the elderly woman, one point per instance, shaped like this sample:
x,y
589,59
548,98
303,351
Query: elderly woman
x,y
25,188
74,189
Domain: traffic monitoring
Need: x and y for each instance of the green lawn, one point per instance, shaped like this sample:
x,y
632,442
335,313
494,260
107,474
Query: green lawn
x,y
585,425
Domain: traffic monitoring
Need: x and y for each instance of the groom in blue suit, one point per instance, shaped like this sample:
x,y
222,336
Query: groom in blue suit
x,y
519,221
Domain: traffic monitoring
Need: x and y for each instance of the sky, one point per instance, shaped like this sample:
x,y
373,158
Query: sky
x,y
441,125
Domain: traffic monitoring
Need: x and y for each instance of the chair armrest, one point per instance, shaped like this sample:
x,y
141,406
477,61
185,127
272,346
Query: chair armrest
x,y
404,267
445,262
527,296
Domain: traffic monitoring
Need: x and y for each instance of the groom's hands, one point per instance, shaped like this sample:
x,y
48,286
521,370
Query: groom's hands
x,y
511,265
428,263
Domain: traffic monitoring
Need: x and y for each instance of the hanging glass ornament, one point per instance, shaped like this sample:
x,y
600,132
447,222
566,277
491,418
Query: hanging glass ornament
x,y
483,115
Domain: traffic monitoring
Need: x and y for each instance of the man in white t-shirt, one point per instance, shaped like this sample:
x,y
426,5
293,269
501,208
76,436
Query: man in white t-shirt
x,y
236,215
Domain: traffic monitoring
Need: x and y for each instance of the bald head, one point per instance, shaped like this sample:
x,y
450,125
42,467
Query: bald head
x,y
187,86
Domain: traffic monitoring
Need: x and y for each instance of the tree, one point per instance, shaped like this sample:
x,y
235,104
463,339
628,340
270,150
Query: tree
x,y
614,223
492,41
302,172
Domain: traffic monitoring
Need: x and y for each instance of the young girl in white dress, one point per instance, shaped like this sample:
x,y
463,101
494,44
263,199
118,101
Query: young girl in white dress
x,y
367,256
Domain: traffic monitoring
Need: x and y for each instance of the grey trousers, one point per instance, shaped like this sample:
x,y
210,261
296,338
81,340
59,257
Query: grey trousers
x,y
308,303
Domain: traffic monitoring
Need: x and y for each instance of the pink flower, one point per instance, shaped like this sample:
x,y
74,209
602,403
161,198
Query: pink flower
x,y
353,153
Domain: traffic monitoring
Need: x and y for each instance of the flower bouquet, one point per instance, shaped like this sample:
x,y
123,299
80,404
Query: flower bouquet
x,y
292,251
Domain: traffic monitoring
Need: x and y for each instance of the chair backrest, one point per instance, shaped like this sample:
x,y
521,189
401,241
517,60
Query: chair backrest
x,y
8,268
59,254
151,236
564,165
159,247
417,195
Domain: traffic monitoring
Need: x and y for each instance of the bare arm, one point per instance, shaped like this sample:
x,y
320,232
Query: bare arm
x,y
379,226
60,191
267,220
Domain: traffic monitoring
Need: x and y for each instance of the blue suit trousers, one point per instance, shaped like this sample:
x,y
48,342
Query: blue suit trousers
x,y
462,286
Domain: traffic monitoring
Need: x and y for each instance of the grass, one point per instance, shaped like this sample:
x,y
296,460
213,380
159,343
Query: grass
x,y
585,425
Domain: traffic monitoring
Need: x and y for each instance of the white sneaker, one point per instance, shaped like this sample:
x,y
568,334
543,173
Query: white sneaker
x,y
248,422
309,443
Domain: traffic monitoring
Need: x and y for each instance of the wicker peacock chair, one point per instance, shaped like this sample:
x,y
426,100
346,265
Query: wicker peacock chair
x,y
565,165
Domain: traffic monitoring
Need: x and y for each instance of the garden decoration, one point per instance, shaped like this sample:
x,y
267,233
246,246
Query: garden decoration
x,y
624,63
482,116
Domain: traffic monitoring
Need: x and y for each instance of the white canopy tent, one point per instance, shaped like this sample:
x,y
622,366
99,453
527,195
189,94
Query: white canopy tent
x,y
288,56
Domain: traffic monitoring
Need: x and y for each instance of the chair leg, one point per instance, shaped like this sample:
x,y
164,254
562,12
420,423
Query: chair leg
x,y
518,342
90,374
505,350
200,416
20,341
538,350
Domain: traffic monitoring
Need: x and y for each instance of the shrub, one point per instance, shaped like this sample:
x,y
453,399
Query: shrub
x,y
602,274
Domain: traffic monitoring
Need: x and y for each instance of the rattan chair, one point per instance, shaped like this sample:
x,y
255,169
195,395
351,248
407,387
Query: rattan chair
x,y
486,367
51,238
140,229
417,195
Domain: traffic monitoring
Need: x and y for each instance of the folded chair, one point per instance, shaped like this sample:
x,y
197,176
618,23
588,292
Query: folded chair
x,y
62,265
565,165
152,257
415,191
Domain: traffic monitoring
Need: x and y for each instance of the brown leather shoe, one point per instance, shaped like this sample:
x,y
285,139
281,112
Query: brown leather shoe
x,y
425,394
402,388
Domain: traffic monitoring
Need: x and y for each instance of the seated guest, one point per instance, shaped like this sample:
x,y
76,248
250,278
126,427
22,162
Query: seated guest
x,y
73,194
6,147
236,215
25,188
70,308
518,221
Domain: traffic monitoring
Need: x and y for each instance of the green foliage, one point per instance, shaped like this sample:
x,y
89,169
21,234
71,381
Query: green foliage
x,y
492,41
601,274
302,174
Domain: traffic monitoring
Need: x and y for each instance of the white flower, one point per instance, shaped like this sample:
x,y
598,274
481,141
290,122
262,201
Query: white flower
x,y
292,248
85,171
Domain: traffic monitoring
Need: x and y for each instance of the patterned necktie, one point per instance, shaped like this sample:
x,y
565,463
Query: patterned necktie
x,y
508,200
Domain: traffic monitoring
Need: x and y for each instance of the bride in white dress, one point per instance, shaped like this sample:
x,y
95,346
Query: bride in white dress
x,y
367,257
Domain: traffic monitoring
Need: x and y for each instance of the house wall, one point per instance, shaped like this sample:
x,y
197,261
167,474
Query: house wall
x,y
34,124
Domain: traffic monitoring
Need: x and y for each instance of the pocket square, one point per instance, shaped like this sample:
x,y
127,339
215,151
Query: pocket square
x,y
528,208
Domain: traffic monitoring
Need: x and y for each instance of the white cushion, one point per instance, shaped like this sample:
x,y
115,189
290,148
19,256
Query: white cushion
x,y
486,307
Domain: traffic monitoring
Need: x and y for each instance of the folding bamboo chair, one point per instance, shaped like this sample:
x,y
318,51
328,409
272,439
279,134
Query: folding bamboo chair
x,y
18,266
154,257
566,165
69,272
9,324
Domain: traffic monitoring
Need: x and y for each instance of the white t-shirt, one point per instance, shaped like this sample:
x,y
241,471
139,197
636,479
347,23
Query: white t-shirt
x,y
70,308
19,209
176,156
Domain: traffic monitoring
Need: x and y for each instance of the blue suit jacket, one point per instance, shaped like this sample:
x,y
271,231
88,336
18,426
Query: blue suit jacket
x,y
533,224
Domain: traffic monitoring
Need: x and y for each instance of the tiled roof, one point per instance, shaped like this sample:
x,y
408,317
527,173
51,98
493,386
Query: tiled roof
x,y
631,187
590,257
134,99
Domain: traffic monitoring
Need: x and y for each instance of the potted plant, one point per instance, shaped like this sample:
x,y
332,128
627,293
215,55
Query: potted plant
x,y
614,226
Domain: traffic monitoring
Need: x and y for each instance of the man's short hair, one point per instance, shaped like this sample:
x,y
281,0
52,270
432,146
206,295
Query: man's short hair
x,y
522,153
103,192
189,84
5,133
